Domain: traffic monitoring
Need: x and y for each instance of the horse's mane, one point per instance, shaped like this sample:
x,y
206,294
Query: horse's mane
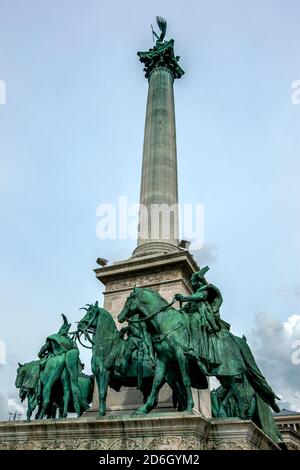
x,y
28,374
156,294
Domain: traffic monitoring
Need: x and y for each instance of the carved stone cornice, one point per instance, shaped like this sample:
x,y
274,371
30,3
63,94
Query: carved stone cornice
x,y
158,431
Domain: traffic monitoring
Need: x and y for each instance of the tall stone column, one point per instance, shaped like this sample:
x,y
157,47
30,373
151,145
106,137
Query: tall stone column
x,y
158,224
158,219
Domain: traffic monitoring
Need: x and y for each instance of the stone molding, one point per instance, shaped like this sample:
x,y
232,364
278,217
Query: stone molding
x,y
165,431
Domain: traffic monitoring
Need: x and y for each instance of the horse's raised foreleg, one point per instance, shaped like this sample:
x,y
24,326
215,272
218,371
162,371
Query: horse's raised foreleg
x,y
183,366
159,379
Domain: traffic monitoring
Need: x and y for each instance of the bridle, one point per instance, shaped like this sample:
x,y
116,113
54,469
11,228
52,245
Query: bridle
x,y
87,331
162,336
165,307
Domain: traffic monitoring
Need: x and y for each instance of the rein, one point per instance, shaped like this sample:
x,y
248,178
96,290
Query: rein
x,y
162,336
86,332
87,347
152,314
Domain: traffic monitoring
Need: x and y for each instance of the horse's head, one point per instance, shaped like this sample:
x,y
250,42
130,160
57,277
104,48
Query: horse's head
x,y
131,306
89,321
21,371
146,302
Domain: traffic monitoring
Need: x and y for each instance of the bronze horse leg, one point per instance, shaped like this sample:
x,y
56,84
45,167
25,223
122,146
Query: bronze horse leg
x,y
102,375
66,383
183,366
53,370
230,386
158,381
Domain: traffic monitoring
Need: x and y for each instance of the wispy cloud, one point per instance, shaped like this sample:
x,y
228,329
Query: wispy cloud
x,y
272,343
9,397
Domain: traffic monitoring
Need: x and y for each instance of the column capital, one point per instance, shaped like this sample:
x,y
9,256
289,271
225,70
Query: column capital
x,y
161,55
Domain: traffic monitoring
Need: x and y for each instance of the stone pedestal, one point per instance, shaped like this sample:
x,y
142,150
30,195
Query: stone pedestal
x,y
129,399
169,274
164,431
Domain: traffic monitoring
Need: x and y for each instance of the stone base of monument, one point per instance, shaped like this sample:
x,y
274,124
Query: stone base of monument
x,y
129,399
157,431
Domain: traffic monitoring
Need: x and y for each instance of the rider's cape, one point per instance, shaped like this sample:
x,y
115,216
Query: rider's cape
x,y
214,297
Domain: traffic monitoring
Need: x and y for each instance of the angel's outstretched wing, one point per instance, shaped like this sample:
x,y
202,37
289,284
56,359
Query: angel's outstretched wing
x,y
162,24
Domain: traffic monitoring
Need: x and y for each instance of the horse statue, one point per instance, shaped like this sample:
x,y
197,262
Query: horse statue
x,y
55,380
171,332
170,339
28,380
111,354
117,361
62,363
256,409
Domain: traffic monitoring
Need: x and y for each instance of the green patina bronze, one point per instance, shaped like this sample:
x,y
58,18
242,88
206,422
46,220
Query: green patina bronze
x,y
194,342
116,361
162,54
56,380
159,345
121,358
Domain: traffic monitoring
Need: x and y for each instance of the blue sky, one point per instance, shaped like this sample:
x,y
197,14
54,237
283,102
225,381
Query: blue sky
x,y
72,133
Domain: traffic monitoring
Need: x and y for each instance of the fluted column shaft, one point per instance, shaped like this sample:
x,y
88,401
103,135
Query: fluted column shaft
x,y
158,223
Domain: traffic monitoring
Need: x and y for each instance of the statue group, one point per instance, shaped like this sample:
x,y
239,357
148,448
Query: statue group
x,y
160,344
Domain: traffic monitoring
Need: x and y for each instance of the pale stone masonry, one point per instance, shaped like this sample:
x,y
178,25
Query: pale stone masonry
x,y
159,431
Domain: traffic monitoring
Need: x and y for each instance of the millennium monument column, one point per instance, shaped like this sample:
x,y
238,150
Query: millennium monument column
x,y
158,224
159,261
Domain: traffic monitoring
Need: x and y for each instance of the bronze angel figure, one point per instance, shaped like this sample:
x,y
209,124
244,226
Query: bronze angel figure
x,y
162,24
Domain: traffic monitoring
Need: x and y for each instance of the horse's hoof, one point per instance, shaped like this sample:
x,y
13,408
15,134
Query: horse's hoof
x,y
188,410
139,412
222,414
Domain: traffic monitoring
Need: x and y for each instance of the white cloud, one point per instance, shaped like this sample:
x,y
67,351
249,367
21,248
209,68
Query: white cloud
x,y
9,396
292,327
13,406
272,344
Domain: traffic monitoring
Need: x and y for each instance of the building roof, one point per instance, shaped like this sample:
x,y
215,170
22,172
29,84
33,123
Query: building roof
x,y
285,412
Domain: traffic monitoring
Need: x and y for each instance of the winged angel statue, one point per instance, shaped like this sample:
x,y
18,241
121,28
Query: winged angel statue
x,y
162,24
